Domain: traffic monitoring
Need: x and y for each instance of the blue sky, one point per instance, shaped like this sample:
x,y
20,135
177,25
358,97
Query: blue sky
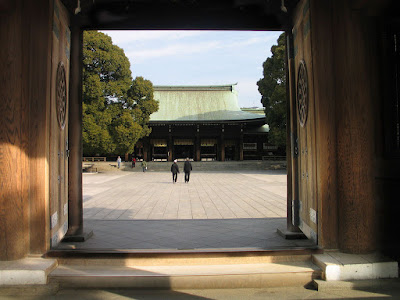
x,y
199,58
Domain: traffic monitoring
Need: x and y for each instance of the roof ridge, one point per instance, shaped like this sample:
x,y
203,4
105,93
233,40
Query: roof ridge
x,y
230,86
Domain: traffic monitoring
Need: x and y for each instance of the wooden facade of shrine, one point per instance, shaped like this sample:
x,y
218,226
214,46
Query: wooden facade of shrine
x,y
342,66
203,123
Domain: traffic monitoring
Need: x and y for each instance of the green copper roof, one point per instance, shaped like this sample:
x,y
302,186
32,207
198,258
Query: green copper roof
x,y
199,103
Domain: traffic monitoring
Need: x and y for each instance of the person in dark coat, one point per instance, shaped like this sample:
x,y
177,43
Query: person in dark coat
x,y
187,168
175,171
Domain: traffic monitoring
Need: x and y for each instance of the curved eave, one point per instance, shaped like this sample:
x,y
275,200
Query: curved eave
x,y
254,121
215,116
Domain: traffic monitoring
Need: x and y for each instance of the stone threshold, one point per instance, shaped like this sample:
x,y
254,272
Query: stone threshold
x,y
26,271
338,266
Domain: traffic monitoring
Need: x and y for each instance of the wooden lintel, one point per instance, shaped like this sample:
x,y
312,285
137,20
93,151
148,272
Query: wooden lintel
x,y
7,6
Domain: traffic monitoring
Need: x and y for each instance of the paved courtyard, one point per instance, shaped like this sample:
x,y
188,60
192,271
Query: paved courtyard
x,y
140,210
152,195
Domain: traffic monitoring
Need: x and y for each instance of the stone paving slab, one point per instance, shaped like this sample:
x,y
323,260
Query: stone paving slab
x,y
136,210
187,234
380,289
208,195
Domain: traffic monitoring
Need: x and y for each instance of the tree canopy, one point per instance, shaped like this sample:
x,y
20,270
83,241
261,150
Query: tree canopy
x,y
272,87
116,109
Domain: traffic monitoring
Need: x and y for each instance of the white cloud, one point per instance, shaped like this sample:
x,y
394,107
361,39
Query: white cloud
x,y
172,50
248,94
199,57
251,41
146,44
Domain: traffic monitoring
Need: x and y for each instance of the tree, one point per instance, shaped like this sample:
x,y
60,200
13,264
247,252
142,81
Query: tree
x,y
132,115
106,79
272,87
115,109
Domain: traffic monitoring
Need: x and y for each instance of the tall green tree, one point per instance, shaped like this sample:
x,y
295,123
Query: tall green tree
x,y
116,109
272,87
132,115
106,79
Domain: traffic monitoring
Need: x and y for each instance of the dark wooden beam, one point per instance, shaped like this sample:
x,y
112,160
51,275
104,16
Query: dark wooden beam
x,y
167,14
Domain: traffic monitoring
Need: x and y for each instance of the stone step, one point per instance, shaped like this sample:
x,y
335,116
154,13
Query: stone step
x,y
184,257
366,284
186,276
338,266
27,271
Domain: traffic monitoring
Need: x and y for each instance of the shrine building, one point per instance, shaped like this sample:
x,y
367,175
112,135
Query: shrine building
x,y
203,123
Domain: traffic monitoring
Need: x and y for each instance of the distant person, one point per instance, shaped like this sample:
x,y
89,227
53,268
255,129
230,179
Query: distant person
x,y
187,167
133,162
119,161
144,165
174,171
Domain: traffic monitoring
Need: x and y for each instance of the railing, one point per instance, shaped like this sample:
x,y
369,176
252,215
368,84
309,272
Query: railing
x,y
249,146
208,157
96,158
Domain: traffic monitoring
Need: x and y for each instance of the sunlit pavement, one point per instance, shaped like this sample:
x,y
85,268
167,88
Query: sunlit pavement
x,y
388,290
214,210
153,195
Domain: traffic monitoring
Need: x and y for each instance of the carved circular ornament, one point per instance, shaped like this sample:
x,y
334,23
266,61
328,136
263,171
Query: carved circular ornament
x,y
61,95
302,93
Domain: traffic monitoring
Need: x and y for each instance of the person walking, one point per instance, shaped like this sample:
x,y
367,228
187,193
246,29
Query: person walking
x,y
133,162
187,167
144,165
119,161
174,171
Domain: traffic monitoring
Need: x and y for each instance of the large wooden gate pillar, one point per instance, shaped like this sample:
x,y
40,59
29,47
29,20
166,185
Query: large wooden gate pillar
x,y
14,107
344,82
75,201
357,86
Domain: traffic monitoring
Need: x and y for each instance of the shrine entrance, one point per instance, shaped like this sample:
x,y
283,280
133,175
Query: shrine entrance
x,y
342,88
183,148
211,149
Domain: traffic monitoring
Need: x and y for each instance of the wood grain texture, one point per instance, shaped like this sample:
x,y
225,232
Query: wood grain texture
x,y
75,200
355,129
58,135
13,137
324,80
306,134
293,190
39,95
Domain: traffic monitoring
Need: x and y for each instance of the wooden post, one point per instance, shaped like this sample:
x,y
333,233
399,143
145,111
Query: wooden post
x,y
293,190
39,61
14,107
145,150
75,200
170,147
222,144
241,145
355,87
222,149
198,147
326,158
